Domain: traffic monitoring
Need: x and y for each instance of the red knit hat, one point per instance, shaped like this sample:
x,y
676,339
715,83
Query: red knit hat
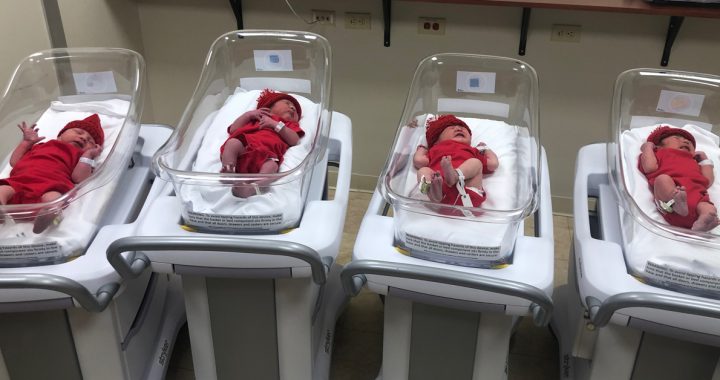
x,y
268,97
664,131
436,126
91,125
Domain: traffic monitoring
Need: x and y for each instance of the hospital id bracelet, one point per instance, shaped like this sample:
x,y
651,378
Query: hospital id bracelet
x,y
279,126
88,161
707,162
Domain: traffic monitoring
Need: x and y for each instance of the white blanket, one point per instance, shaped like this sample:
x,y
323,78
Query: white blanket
x,y
662,259
280,207
71,236
469,238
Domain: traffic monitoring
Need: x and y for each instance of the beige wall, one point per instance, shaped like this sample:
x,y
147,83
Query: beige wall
x,y
22,32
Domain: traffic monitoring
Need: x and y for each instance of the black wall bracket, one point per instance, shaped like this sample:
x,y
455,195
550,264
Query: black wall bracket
x,y
673,29
524,30
236,6
387,17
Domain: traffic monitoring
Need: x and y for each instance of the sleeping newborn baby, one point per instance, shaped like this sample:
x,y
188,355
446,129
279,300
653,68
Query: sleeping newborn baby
x,y
679,177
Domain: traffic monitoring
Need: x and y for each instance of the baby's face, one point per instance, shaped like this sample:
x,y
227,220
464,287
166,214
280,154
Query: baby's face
x,y
457,133
285,109
78,137
677,142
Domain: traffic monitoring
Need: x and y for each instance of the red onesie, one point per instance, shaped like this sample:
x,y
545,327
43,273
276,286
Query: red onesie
x,y
459,153
45,167
685,171
261,144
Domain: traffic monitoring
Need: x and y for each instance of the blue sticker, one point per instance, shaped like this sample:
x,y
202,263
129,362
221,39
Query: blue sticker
x,y
274,58
475,82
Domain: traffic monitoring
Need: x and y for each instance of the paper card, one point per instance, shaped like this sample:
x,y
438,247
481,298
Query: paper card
x,y
479,82
681,103
100,82
273,60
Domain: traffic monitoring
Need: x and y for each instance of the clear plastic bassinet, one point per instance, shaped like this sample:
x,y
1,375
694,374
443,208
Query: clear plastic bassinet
x,y
655,252
238,67
51,88
497,98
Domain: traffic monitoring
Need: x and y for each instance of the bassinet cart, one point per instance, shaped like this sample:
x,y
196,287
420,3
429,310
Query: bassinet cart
x,y
456,279
641,300
260,283
65,312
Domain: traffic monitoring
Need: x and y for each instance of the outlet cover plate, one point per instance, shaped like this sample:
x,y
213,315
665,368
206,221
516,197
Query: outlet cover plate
x,y
355,20
431,25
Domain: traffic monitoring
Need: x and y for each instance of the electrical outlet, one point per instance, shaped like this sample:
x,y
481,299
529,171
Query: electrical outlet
x,y
431,25
357,20
566,33
323,17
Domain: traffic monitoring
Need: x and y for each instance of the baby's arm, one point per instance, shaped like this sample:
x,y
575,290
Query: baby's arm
x,y
492,162
30,138
705,168
83,170
248,117
288,135
420,158
648,161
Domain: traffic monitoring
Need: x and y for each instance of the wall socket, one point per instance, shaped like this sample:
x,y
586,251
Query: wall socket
x,y
323,17
354,20
431,25
566,33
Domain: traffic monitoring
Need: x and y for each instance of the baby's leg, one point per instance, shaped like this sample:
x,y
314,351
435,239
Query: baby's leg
x,y
47,218
471,168
707,217
6,193
246,190
232,150
665,190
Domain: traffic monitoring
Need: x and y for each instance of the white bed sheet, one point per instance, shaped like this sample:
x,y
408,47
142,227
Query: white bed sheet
x,y
663,259
466,238
71,236
278,208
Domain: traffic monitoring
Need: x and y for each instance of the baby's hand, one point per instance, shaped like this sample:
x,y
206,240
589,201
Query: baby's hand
x,y
267,123
93,151
647,146
30,133
699,156
258,114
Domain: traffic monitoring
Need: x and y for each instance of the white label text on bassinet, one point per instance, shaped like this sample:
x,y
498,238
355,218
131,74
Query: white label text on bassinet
x,y
451,249
37,250
235,222
670,275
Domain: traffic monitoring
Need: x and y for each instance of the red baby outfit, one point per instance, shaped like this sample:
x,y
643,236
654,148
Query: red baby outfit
x,y
459,153
261,144
685,171
45,167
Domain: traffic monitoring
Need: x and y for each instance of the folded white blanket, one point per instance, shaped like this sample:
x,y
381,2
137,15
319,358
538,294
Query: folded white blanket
x,y
470,237
646,253
279,208
17,241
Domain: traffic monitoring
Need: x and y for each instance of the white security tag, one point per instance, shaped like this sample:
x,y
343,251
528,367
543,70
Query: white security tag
x,y
101,82
483,83
273,60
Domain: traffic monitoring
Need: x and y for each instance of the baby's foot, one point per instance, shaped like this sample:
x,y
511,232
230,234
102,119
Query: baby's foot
x,y
245,190
706,222
45,220
680,206
451,176
435,193
227,168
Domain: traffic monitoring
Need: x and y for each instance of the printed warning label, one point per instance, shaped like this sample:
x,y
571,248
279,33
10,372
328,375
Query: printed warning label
x,y
457,250
37,250
235,222
666,274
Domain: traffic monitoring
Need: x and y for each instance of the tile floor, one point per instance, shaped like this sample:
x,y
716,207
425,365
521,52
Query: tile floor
x,y
358,334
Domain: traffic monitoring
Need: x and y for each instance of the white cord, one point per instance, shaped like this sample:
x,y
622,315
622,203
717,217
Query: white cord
x,y
297,15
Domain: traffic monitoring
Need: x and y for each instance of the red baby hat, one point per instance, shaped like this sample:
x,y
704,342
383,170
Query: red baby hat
x,y
268,97
664,131
91,125
436,126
